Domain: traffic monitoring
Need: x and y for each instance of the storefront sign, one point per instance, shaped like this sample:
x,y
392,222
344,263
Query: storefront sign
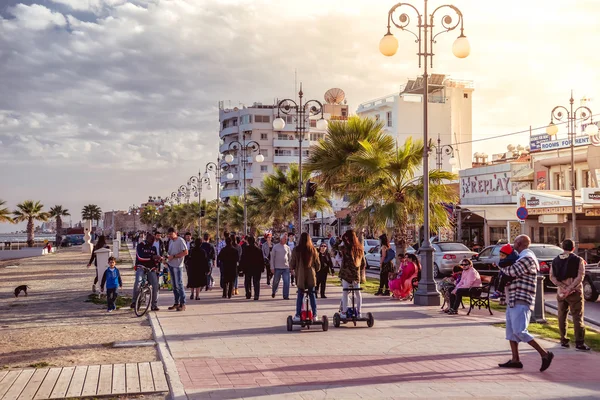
x,y
590,195
535,141
594,212
486,184
540,180
554,210
564,143
532,200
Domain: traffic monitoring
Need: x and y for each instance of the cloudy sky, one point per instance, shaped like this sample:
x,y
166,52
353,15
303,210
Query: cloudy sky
x,y
109,101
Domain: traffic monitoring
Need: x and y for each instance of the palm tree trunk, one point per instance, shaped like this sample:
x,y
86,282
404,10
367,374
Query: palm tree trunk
x,y
401,234
30,232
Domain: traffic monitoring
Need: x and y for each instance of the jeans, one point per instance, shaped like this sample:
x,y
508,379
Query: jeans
x,y
250,280
313,301
152,279
177,282
357,296
573,303
111,297
279,273
235,283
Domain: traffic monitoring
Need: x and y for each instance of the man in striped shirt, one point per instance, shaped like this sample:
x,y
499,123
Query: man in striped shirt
x,y
521,297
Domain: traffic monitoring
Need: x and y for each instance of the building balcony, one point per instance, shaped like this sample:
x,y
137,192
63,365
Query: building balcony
x,y
285,159
229,131
382,102
285,143
230,192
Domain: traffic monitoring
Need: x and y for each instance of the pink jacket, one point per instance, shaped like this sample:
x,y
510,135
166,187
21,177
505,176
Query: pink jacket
x,y
470,278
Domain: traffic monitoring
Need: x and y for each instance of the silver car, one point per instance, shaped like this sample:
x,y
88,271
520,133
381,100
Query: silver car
x,y
373,256
447,255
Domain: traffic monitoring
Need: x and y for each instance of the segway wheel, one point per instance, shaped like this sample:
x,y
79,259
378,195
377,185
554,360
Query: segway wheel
x,y
290,324
370,320
336,320
325,323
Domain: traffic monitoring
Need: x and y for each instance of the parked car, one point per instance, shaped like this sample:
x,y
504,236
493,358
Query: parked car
x,y
373,256
591,282
447,255
72,240
487,261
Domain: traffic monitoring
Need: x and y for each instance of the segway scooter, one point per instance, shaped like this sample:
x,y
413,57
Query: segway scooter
x,y
352,313
306,318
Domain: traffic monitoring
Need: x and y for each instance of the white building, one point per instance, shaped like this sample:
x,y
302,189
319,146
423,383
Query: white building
x,y
450,116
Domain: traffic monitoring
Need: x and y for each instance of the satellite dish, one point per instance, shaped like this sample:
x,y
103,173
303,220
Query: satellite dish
x,y
335,96
235,109
510,147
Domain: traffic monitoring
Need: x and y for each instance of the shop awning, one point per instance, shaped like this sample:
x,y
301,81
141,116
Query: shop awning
x,y
493,212
525,175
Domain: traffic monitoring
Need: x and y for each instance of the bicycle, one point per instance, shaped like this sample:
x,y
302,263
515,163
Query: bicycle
x,y
144,297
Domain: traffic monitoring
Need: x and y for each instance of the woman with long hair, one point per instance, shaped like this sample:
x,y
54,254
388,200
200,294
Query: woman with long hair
x,y
385,267
353,269
100,244
197,269
326,266
304,265
401,287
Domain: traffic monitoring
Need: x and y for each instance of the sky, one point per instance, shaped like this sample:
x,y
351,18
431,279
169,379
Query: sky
x,y
110,101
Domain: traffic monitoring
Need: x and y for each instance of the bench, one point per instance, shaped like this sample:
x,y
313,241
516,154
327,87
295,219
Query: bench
x,y
480,296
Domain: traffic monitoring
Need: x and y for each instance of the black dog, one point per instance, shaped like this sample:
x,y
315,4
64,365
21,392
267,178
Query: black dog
x,y
19,289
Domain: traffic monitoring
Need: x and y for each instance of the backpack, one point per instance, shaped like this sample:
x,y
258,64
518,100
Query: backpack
x,y
389,255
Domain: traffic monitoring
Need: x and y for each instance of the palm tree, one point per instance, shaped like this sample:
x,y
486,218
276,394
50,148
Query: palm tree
x,y
4,213
278,197
91,212
58,212
30,211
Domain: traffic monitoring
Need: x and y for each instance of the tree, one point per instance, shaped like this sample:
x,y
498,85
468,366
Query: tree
x,y
58,212
4,213
91,212
150,215
30,211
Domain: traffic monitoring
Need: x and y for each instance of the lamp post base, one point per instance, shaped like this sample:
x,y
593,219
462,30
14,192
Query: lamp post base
x,y
427,294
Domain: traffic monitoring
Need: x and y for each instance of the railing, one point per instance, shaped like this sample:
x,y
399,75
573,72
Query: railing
x,y
18,244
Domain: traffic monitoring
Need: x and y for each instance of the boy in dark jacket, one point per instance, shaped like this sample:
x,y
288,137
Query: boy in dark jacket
x,y
507,258
112,279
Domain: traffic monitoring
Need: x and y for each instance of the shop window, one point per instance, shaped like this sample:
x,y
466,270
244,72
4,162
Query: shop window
x,y
587,178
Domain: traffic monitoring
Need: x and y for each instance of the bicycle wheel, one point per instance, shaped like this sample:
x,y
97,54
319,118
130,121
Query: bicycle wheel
x,y
142,303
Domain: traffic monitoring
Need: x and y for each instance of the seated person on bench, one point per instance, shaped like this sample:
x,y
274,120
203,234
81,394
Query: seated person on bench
x,y
469,278
353,269
304,265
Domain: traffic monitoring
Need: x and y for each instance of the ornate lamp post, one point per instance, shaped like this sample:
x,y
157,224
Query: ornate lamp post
x,y
185,191
427,293
134,210
446,149
218,168
570,116
302,111
199,181
246,149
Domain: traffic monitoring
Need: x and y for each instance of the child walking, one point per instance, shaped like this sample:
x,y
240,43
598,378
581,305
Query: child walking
x,y
112,279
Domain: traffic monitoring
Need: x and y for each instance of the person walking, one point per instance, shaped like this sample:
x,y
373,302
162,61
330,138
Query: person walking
x,y
280,266
353,269
567,273
385,266
267,246
220,246
146,256
229,262
305,264
235,243
326,266
209,249
197,269
100,244
521,297
252,264
291,244
177,252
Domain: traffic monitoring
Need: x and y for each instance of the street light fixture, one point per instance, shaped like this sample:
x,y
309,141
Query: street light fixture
x,y
570,116
445,149
185,191
246,149
302,113
427,293
200,181
135,211
218,168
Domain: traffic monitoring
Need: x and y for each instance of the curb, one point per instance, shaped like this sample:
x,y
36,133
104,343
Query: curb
x,y
552,309
176,390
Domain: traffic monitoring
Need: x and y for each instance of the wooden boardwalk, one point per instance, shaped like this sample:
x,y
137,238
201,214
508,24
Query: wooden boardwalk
x,y
82,381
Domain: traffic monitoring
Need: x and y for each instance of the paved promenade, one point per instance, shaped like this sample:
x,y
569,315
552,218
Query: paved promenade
x,y
238,348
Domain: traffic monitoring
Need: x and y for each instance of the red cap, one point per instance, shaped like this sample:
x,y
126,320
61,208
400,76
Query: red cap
x,y
506,249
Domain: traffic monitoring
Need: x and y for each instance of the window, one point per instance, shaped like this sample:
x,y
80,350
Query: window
x,y
316,136
262,118
344,112
234,122
559,181
313,123
283,152
377,117
246,119
264,168
389,118
283,168
496,251
466,95
486,253
452,247
263,136
284,136
587,178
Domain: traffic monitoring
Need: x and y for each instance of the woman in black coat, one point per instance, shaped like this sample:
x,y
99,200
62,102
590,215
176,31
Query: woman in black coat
x,y
326,266
197,268
228,256
252,264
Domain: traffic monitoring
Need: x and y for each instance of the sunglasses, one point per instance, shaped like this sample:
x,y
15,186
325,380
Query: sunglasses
x,y
465,264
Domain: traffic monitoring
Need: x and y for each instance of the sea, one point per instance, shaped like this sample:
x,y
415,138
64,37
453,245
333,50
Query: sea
x,y
22,237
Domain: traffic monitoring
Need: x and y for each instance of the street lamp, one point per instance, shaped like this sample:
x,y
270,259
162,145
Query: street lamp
x,y
302,113
571,116
445,149
200,181
134,210
185,191
218,168
246,150
427,293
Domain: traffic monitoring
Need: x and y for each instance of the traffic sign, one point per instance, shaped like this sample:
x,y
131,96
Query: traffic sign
x,y
522,213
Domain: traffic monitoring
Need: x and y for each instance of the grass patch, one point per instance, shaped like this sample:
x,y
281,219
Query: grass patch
x,y
124,257
41,364
494,305
371,287
122,301
550,331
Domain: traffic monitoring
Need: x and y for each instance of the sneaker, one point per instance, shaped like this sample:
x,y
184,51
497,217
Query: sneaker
x,y
496,295
268,284
379,293
174,307
546,361
93,288
564,344
582,347
296,318
155,309
315,318
181,307
386,293
273,295
236,292
109,310
323,297
511,364
133,306
452,312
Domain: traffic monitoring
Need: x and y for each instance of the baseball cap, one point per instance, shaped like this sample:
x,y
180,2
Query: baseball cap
x,y
506,249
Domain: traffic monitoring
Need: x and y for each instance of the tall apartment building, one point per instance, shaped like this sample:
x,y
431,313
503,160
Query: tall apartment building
x,y
279,148
450,116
